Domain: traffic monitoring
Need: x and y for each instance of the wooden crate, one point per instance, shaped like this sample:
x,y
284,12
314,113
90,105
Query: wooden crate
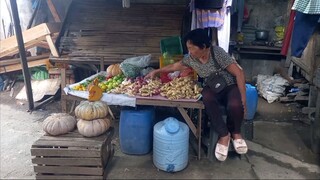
x,y
72,156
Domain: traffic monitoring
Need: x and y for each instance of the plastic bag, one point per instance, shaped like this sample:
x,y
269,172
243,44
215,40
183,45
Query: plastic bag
x,y
271,87
130,70
145,71
139,61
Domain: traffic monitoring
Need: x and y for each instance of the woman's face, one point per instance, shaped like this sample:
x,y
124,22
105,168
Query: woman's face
x,y
194,50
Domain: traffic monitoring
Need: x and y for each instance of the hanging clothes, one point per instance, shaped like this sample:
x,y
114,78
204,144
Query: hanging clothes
x,y
306,20
304,26
288,34
204,18
307,6
224,30
240,4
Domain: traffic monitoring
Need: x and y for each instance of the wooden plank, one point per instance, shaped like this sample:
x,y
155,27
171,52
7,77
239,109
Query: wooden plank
x,y
167,103
188,121
31,37
71,137
263,53
53,11
69,170
78,161
141,27
65,152
16,67
5,62
67,144
52,47
55,177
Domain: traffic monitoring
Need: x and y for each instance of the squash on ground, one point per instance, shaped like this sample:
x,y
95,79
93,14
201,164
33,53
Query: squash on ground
x,y
59,123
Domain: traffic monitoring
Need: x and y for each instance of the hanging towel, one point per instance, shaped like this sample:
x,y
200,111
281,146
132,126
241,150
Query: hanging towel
x,y
307,6
206,18
224,30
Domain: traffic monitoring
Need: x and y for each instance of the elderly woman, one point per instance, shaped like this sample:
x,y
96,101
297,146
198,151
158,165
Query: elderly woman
x,y
207,60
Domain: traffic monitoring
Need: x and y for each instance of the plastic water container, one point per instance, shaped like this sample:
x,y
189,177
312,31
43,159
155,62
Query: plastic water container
x,y
170,145
252,101
135,129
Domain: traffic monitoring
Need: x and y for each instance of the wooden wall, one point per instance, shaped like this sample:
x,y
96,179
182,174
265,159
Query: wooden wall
x,y
102,28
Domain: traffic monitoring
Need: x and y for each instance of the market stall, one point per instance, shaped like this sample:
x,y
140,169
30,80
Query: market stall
x,y
158,96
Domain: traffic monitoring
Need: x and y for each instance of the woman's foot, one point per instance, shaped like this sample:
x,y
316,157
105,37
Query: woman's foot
x,y
222,148
239,144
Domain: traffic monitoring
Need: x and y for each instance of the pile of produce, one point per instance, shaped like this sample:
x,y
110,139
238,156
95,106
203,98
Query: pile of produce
x,y
181,88
92,118
139,86
92,114
116,82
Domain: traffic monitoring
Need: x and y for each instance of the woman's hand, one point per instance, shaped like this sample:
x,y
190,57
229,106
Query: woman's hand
x,y
151,74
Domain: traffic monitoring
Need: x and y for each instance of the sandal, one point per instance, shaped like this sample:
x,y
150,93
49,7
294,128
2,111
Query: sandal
x,y
221,151
240,146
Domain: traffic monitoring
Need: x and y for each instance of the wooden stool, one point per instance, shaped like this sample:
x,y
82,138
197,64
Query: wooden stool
x,y
72,156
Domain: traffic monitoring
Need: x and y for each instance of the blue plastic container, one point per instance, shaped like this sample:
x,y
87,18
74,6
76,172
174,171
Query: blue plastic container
x,y
136,129
170,145
252,101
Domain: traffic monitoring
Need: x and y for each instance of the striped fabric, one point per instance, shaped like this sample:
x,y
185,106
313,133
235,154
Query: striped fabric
x,y
209,18
307,6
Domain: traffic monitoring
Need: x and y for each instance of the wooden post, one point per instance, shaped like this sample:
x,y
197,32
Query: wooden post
x,y
63,95
315,128
102,64
53,11
22,52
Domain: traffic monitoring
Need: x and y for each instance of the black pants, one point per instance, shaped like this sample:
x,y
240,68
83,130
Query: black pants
x,y
230,98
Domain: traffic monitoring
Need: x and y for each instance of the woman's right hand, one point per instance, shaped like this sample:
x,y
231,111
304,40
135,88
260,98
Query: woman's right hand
x,y
151,74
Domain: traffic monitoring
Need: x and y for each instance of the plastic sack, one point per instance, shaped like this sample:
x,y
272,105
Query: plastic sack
x,y
145,71
139,61
130,70
271,87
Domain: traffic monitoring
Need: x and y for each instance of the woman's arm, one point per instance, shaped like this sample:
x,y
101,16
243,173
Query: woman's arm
x,y
178,66
237,71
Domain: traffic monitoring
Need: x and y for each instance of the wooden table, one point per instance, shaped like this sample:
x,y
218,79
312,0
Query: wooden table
x,y
180,105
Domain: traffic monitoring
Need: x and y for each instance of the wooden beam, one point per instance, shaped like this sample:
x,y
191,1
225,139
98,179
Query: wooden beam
x,y
6,62
52,47
16,67
31,37
53,10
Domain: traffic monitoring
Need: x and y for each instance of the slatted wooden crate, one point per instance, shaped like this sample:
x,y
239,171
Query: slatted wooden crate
x,y
72,156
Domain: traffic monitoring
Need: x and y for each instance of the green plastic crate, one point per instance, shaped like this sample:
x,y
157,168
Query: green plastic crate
x,y
171,45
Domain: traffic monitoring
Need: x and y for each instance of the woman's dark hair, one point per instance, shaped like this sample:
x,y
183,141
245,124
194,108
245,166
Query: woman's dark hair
x,y
198,37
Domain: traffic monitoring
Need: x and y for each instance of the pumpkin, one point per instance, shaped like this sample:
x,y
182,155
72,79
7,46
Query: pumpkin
x,y
95,92
59,123
87,110
113,70
93,128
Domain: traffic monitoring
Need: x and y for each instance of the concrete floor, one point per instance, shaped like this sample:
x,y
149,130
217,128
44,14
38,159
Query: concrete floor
x,y
280,148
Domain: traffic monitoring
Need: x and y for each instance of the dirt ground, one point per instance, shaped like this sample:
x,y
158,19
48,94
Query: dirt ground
x,y
20,128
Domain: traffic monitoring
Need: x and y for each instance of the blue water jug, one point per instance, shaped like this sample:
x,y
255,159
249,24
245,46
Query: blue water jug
x,y
252,101
136,129
170,145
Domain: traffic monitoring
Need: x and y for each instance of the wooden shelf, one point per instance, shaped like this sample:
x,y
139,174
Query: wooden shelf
x,y
259,50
